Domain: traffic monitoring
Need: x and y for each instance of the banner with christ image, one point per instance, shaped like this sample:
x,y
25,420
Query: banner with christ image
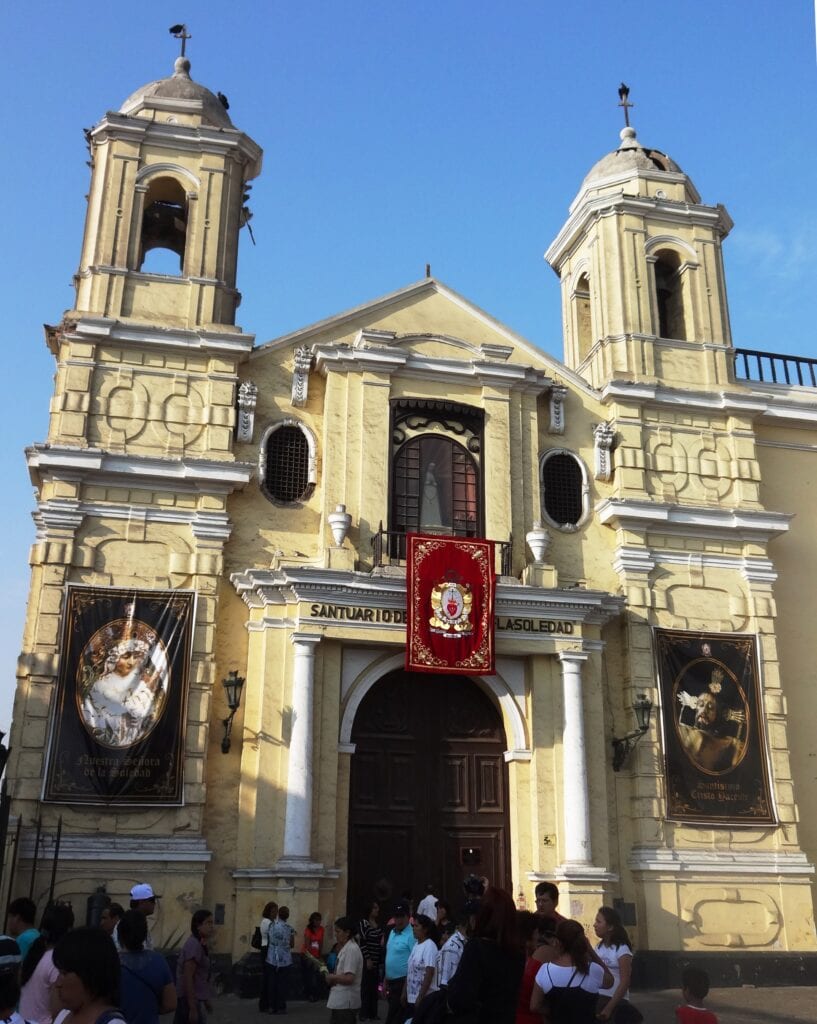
x,y
450,584
117,731
714,737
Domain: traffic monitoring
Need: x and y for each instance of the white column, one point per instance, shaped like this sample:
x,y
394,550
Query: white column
x,y
574,763
298,825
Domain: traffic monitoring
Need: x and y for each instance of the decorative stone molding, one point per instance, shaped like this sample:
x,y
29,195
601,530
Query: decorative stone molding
x,y
300,375
558,393
603,435
538,540
245,424
56,517
339,523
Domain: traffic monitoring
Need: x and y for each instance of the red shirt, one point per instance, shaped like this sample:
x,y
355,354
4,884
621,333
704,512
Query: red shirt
x,y
313,941
695,1015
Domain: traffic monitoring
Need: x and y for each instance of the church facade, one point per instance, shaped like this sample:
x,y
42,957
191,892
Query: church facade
x,y
214,509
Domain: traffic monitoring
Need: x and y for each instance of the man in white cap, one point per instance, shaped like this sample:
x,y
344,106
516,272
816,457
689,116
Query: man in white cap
x,y
143,899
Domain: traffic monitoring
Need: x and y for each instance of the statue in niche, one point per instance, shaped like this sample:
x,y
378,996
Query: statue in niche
x,y
431,515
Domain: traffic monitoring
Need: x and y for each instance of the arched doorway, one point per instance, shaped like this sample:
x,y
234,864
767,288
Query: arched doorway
x,y
429,789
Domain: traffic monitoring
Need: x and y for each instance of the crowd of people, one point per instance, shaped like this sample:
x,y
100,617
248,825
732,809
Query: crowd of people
x,y
488,964
59,974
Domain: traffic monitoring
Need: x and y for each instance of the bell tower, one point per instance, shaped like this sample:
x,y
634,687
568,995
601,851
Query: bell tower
x,y
641,269
169,172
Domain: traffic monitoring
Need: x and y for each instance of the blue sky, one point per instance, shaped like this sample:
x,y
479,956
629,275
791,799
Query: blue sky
x,y
397,134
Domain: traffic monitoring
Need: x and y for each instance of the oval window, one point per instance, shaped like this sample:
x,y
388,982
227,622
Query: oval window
x,y
562,489
287,465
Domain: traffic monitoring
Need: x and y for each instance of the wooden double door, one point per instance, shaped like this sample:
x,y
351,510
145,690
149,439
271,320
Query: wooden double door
x,y
429,790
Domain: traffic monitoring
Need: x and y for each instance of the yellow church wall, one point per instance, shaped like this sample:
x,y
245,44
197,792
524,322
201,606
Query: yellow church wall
x,y
788,463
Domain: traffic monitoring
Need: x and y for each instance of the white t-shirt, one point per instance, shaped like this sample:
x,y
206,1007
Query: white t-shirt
x,y
422,956
611,956
553,976
448,959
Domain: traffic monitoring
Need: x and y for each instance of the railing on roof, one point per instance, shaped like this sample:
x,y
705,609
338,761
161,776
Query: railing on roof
x,y
389,548
771,367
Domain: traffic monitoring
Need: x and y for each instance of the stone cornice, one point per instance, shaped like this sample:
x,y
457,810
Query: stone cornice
x,y
398,363
630,561
639,515
93,465
195,137
665,211
719,862
261,588
105,329
143,849
781,404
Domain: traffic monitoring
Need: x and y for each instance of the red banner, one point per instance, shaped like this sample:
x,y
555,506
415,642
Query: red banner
x,y
450,586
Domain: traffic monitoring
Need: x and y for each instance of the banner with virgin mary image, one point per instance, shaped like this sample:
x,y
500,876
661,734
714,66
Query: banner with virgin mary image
x,y
714,736
117,731
450,584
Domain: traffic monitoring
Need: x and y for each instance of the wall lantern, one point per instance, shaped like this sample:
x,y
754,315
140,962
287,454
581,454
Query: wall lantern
x,y
642,706
233,685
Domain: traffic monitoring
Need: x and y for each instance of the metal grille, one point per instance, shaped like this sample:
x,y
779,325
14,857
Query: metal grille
x,y
562,489
287,464
456,477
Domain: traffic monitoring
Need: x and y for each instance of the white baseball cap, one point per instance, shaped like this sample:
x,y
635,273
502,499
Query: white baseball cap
x,y
143,891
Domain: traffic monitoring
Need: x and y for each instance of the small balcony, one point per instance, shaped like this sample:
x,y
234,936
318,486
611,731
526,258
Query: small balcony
x,y
389,548
772,368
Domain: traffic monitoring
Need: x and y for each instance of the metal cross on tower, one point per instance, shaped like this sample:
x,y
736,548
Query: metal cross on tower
x,y
623,95
180,32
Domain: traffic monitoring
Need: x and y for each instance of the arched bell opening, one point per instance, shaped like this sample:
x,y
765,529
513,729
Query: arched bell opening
x,y
164,228
669,295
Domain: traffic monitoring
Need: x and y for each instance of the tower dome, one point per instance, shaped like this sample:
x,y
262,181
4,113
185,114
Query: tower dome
x,y
629,158
178,93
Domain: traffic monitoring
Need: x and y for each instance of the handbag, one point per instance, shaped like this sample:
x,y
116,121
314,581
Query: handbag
x,y
255,941
626,1013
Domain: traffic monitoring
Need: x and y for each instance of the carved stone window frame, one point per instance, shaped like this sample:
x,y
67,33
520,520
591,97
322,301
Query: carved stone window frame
x,y
585,492
312,462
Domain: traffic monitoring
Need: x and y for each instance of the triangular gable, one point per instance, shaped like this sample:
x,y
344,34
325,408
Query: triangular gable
x,y
372,314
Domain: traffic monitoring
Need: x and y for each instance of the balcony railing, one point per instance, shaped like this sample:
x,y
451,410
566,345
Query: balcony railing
x,y
773,368
389,548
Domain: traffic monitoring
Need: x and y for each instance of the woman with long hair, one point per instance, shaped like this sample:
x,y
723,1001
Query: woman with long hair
x,y
38,1001
422,963
193,972
615,951
268,915
371,946
87,982
486,984
567,987
147,988
536,931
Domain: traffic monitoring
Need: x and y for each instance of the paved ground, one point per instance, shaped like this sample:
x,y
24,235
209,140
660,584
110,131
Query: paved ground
x,y
732,1005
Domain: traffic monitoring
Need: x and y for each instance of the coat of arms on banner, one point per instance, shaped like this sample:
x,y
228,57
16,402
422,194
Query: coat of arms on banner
x,y
450,605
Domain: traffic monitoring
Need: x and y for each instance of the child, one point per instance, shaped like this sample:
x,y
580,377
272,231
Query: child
x,y
694,989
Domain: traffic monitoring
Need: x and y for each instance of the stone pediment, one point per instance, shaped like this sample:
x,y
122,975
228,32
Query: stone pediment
x,y
425,329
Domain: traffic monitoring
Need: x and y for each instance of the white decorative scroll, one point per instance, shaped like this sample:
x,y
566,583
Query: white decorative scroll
x,y
247,396
603,434
300,375
558,393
